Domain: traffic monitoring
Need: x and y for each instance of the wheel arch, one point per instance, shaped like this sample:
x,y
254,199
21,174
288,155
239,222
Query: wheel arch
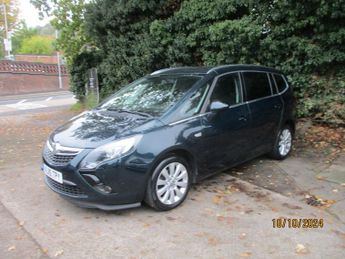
x,y
291,123
181,152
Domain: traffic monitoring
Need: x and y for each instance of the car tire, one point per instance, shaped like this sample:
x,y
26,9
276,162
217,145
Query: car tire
x,y
169,184
283,143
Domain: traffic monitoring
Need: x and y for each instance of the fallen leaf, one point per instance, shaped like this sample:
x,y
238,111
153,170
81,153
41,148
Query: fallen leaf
x,y
217,199
213,241
58,253
320,177
11,248
301,249
21,223
245,254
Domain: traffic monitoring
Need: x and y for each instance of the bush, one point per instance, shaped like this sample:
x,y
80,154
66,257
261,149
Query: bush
x,y
306,40
37,44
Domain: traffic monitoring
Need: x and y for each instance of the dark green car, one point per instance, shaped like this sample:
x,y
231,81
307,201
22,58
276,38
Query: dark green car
x,y
154,138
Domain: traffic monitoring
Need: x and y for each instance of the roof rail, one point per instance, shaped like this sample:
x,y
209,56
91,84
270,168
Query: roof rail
x,y
160,71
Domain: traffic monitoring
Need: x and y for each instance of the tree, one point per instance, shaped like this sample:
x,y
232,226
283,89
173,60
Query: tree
x,y
11,13
37,45
69,21
20,35
123,39
128,39
12,19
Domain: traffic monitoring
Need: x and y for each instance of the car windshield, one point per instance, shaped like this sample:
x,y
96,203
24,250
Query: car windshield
x,y
151,95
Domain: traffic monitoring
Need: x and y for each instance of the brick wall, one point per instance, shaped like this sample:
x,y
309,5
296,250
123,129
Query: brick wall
x,y
26,77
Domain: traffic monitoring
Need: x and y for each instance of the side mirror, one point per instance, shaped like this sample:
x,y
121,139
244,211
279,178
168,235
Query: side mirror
x,y
218,106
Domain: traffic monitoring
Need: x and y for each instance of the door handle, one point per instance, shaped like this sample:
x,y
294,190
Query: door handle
x,y
277,106
242,118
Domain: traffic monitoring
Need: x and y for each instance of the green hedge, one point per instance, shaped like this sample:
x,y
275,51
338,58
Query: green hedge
x,y
305,39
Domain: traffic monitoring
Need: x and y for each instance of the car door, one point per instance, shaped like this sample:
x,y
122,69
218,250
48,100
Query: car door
x,y
265,109
225,128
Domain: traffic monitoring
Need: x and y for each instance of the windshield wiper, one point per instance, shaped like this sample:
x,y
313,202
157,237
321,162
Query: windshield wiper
x,y
132,112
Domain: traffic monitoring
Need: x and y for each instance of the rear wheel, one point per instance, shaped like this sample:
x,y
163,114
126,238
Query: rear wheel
x,y
283,144
169,184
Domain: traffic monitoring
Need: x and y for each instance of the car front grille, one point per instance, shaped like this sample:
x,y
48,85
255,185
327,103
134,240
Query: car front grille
x,y
69,190
57,159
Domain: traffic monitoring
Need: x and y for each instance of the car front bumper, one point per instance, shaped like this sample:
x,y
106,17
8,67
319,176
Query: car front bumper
x,y
126,177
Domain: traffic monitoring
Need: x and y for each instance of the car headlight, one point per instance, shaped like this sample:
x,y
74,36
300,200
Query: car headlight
x,y
109,151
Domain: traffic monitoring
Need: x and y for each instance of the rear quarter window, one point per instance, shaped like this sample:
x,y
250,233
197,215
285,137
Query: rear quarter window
x,y
280,82
257,85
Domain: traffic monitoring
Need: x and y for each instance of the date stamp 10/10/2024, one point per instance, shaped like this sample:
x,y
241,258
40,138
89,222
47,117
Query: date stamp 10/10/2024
x,y
297,223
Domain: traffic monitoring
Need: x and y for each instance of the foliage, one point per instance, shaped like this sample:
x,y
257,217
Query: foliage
x,y
23,39
69,21
20,35
305,39
37,45
12,15
88,58
88,103
124,40
12,20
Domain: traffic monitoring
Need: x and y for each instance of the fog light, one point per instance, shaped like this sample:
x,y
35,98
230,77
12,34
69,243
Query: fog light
x,y
103,188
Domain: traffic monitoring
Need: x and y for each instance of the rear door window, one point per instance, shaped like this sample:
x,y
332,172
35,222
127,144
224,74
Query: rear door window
x,y
257,85
281,84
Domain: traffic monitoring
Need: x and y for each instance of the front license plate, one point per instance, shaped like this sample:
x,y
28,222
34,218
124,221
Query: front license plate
x,y
53,174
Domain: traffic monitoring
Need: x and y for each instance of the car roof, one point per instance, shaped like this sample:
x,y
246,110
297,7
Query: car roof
x,y
217,69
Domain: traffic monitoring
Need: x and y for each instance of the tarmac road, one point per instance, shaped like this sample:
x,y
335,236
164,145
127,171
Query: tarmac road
x,y
37,102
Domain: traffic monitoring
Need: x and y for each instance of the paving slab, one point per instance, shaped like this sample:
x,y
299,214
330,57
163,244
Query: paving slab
x,y
227,216
336,171
223,218
15,242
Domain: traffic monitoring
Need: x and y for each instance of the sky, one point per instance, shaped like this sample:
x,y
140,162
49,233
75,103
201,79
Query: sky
x,y
29,13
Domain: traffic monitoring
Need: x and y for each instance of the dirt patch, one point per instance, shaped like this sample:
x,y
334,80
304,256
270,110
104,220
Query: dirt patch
x,y
290,206
319,141
258,194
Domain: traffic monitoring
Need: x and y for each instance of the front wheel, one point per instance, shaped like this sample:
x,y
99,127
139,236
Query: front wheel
x,y
283,144
169,184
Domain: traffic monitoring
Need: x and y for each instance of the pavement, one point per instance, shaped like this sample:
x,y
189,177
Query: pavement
x,y
229,215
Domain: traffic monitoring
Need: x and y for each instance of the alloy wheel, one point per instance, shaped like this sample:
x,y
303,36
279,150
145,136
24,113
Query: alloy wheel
x,y
172,183
285,142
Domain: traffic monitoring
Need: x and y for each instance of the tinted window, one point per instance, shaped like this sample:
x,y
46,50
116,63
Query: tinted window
x,y
280,83
227,89
257,85
273,84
